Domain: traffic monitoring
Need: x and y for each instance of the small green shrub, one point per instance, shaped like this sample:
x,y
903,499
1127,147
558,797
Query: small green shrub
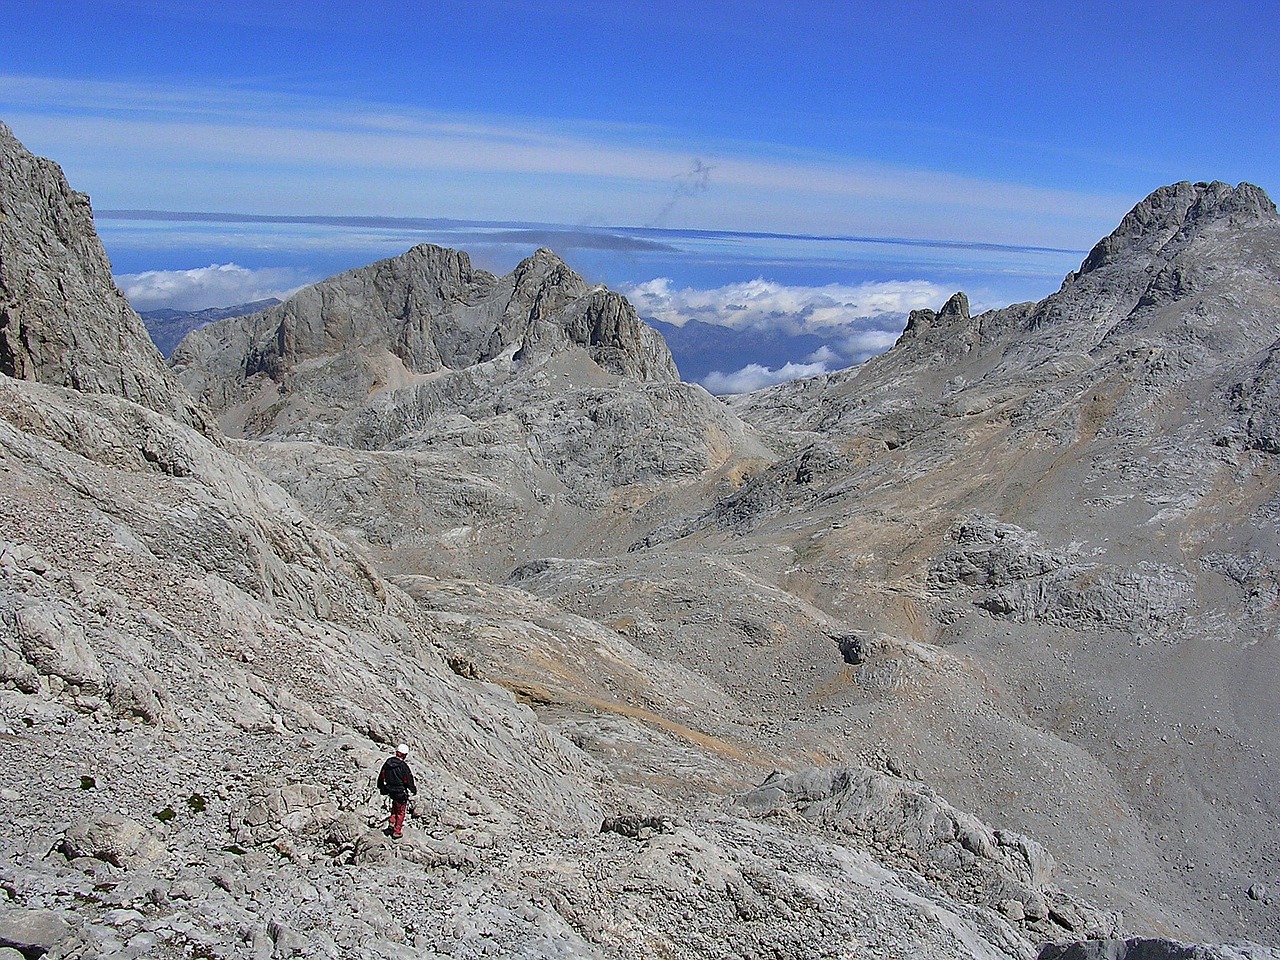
x,y
87,783
165,815
196,803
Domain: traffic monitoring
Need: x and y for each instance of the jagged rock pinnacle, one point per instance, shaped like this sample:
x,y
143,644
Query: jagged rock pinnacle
x,y
955,312
424,312
957,307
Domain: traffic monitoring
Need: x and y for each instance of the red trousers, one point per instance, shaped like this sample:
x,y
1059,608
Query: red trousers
x,y
399,808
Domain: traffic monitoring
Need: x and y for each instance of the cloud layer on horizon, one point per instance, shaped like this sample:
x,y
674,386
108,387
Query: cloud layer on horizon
x,y
797,309
755,376
217,285
854,321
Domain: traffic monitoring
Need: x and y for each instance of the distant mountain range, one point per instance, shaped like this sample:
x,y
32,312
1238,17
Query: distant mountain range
x,y
700,349
168,327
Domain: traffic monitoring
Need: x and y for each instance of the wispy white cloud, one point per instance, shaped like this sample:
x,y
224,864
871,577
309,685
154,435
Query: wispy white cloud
x,y
267,151
217,285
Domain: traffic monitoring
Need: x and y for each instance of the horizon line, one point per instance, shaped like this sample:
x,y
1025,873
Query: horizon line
x,y
438,223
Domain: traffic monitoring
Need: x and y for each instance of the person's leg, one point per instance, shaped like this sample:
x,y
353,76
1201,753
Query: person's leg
x,y
398,810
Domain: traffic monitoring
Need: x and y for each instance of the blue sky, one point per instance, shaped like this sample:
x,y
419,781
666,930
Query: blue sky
x,y
1027,124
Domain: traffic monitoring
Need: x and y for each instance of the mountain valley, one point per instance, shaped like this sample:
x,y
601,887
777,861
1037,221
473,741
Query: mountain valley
x,y
961,652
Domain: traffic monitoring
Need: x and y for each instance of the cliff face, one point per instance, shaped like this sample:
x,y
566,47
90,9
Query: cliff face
x,y
62,320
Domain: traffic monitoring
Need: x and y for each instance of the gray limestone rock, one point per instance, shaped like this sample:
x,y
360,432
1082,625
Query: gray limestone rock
x,y
1098,431
906,822
62,320
1170,215
114,839
334,345
1139,948
1016,577
54,644
32,933
537,395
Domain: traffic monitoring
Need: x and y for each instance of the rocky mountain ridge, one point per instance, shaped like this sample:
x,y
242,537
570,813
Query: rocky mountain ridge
x,y
532,402
209,677
424,312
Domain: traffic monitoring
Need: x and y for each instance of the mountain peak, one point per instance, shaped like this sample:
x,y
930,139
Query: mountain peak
x,y
545,267
544,255
1180,209
1244,202
954,314
956,308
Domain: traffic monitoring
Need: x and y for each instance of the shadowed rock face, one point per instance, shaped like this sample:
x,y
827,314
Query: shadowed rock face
x,y
62,320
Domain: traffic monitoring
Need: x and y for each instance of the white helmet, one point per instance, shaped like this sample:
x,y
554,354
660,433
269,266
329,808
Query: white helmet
x,y
403,749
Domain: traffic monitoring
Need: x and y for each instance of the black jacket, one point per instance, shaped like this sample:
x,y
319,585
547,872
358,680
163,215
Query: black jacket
x,y
396,780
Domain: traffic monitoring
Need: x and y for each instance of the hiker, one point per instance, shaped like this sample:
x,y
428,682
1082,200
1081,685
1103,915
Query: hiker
x,y
396,781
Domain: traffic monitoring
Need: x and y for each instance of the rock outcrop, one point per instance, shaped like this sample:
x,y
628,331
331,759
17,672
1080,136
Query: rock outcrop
x,y
62,320
907,823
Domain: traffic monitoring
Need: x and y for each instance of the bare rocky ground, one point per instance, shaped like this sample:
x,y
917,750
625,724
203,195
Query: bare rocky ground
x,y
201,684
674,684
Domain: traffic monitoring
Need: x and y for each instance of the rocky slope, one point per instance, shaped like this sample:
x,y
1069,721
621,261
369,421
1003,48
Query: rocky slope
x,y
200,680
1077,499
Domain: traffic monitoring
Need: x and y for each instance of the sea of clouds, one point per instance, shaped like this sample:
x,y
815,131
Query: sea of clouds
x,y
853,321
217,285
